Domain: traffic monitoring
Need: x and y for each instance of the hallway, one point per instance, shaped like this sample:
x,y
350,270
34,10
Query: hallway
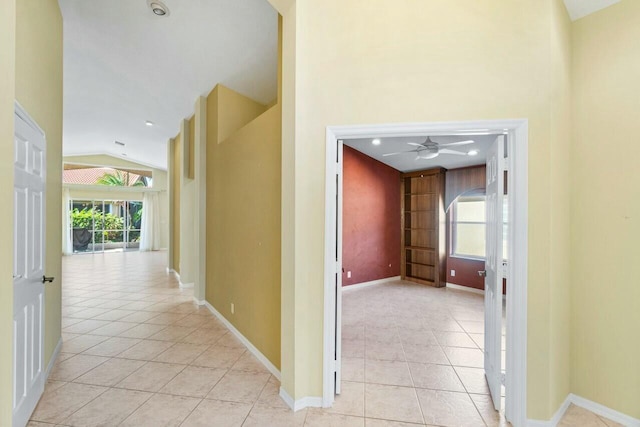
x,y
139,352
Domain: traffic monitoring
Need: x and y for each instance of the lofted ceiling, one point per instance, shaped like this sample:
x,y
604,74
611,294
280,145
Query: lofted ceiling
x,y
580,8
408,162
124,66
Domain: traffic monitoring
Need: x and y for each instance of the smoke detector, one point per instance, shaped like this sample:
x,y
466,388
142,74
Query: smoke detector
x,y
158,8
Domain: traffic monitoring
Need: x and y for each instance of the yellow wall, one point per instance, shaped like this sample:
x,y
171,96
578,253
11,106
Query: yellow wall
x,y
444,60
7,97
559,340
243,217
605,201
39,91
187,206
175,188
237,111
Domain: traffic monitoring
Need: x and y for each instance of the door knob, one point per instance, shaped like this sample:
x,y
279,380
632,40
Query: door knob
x,y
482,273
46,279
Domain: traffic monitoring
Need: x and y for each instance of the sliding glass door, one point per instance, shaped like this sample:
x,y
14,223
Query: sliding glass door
x,y
105,225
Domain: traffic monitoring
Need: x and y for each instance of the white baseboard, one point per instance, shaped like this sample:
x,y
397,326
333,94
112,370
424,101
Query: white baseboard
x,y
261,357
553,422
182,285
305,402
54,357
371,283
604,411
465,288
197,301
589,405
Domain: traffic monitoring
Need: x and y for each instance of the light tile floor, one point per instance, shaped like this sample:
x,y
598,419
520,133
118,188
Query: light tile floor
x,y
138,352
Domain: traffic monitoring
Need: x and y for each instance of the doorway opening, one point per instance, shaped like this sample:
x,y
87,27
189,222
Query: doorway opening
x,y
514,132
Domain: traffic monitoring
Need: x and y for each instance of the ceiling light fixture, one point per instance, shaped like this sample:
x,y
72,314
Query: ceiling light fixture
x,y
376,142
472,152
158,8
148,123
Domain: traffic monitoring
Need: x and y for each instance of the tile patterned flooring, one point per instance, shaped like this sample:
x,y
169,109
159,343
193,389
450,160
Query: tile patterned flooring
x,y
138,352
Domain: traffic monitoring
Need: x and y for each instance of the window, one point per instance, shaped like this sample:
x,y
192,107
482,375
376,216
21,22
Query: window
x,y
468,227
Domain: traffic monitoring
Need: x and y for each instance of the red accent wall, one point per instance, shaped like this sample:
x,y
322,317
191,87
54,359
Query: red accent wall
x,y
370,219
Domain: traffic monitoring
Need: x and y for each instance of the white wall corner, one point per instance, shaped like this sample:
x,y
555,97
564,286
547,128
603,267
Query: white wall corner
x,y
305,402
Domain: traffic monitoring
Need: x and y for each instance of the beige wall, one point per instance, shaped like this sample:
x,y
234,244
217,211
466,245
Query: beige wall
x,y
243,216
161,183
605,201
39,91
7,97
473,60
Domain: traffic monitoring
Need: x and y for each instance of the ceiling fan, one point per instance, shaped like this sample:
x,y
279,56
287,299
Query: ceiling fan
x,y
430,149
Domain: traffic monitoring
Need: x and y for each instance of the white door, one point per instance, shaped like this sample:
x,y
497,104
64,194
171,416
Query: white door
x,y
493,270
28,267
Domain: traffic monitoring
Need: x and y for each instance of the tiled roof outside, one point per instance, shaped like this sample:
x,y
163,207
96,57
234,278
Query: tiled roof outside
x,y
90,176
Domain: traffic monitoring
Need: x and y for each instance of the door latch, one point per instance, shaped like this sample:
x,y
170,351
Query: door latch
x,y
46,279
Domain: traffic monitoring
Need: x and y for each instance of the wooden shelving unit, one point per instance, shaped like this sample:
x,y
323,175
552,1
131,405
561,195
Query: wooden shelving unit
x,y
423,227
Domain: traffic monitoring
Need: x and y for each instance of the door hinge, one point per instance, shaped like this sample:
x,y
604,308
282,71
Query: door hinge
x,y
333,366
503,379
505,164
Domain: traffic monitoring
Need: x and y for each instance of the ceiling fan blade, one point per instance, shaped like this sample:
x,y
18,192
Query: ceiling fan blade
x,y
415,144
399,152
447,151
451,144
427,156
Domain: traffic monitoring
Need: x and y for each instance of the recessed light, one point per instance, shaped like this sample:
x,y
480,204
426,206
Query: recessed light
x,y
376,142
158,8
472,152
148,123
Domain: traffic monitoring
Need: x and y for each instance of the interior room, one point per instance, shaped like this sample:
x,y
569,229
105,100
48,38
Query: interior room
x,y
402,240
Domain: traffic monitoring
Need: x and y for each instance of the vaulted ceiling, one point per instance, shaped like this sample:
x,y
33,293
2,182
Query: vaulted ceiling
x,y
123,66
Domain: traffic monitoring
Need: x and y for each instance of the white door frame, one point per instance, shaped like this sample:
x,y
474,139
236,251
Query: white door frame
x,y
517,163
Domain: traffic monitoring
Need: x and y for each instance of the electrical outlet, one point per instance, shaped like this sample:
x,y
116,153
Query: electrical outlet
x,y
453,273
233,308
348,275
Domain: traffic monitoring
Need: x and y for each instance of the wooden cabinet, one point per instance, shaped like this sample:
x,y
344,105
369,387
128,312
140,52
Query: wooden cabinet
x,y
423,227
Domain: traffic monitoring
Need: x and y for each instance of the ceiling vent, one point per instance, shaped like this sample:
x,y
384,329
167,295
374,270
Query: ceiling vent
x,y
158,8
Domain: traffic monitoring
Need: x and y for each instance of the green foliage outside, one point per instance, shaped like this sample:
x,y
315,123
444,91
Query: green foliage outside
x,y
120,179
85,219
